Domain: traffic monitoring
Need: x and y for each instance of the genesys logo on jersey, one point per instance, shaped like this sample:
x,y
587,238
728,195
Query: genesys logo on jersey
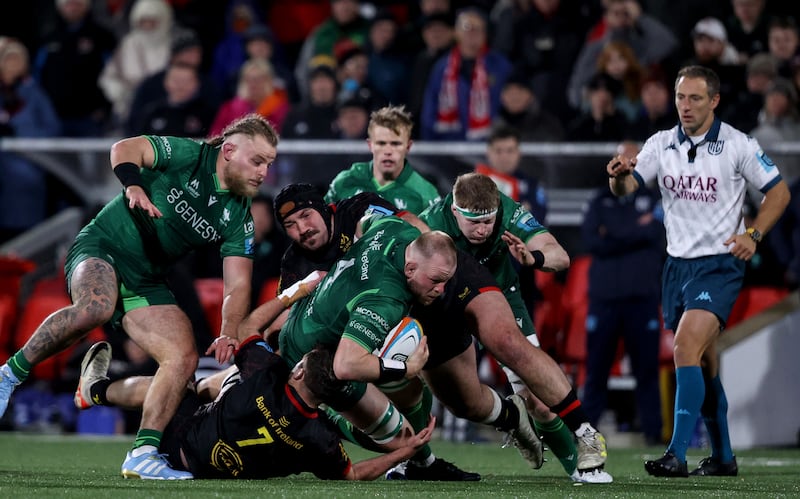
x,y
692,187
365,330
191,217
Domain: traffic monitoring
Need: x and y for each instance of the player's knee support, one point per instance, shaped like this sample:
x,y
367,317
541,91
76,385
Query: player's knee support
x,y
387,426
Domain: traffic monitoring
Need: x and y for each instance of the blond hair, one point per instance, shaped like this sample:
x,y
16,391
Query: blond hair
x,y
476,192
251,125
395,118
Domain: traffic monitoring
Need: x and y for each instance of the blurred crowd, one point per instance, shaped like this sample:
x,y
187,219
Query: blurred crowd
x,y
581,70
574,70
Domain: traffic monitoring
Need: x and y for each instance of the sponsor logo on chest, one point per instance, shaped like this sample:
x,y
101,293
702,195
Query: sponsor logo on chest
x,y
193,218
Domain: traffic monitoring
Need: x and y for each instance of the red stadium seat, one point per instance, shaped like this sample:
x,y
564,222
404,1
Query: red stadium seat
x,y
665,355
269,290
576,308
48,296
8,316
12,269
210,293
753,300
549,313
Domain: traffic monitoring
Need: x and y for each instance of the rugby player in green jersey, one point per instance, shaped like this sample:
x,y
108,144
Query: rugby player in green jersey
x,y
364,295
389,174
178,195
489,225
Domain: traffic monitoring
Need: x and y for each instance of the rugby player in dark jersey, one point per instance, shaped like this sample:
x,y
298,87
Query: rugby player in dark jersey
x,y
265,423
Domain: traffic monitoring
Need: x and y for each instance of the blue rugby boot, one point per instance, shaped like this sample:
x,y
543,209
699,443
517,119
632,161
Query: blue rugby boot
x,y
152,466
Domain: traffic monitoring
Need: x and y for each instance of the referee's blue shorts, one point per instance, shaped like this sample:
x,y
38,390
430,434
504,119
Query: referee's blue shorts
x,y
709,283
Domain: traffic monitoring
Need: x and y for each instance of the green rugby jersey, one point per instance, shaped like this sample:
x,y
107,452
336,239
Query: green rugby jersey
x,y
362,297
493,254
410,192
196,211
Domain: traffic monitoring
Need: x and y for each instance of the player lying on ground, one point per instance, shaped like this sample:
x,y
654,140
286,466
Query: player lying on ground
x,y
265,423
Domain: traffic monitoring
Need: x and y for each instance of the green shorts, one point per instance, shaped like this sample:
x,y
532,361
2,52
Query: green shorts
x,y
514,297
138,287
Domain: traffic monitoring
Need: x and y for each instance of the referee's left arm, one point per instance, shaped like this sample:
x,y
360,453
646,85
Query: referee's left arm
x,y
772,207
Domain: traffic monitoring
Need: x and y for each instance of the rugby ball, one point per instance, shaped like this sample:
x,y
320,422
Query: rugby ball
x,y
400,343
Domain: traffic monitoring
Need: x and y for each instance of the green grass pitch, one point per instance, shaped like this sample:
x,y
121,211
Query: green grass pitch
x,y
43,466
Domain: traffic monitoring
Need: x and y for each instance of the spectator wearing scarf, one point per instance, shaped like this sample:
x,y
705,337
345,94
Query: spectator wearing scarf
x,y
462,96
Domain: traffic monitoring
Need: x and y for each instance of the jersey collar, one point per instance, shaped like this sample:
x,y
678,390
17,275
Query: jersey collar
x,y
217,185
402,178
711,136
299,404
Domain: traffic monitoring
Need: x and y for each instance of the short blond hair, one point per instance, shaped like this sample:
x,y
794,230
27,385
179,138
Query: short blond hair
x,y
395,118
476,192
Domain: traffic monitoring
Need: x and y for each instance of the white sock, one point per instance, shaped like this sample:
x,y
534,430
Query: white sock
x,y
145,449
496,409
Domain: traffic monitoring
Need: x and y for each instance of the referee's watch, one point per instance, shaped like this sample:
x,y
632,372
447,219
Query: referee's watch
x,y
754,234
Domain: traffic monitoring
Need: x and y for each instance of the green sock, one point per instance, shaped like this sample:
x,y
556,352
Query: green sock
x,y
417,417
20,366
147,437
561,441
350,432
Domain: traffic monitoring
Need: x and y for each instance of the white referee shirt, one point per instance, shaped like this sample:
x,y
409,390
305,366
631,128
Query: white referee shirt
x,y
703,196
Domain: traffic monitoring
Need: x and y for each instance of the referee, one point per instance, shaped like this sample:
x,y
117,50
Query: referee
x,y
702,167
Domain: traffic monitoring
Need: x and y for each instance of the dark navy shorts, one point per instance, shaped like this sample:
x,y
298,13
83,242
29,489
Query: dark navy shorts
x,y
708,283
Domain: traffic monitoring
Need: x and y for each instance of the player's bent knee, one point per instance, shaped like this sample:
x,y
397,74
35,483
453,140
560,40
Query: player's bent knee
x,y
182,364
85,319
470,412
386,427
403,393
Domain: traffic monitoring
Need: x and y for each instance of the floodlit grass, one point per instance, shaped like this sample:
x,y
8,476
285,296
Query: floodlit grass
x,y
42,466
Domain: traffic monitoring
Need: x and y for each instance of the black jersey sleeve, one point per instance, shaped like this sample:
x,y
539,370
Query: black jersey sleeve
x,y
365,203
255,355
470,280
295,266
445,321
333,463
